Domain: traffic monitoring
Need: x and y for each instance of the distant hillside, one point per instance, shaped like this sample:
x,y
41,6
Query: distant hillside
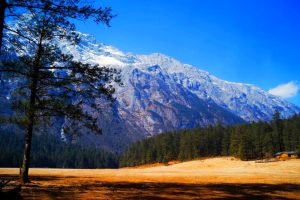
x,y
249,141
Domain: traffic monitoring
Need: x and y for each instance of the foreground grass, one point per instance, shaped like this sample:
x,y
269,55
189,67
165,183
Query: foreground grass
x,y
203,179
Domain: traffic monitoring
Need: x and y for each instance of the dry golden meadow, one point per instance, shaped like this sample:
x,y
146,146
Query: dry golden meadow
x,y
212,178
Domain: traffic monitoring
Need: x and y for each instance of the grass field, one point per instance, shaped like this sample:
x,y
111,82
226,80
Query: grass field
x,y
212,178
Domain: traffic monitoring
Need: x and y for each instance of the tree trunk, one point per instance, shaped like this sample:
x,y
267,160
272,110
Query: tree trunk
x,y
26,156
31,114
2,16
28,135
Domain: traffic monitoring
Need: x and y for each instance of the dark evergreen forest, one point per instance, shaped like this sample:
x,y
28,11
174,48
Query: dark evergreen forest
x,y
50,151
248,141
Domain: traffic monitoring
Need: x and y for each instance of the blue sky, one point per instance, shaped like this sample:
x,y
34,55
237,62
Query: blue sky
x,y
256,42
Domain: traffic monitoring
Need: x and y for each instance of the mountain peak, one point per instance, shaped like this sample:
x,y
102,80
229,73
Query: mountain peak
x,y
161,94
244,100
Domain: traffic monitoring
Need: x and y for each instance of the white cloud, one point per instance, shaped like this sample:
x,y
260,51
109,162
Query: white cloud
x,y
286,90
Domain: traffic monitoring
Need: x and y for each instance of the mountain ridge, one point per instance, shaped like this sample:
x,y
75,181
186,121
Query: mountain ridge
x,y
161,94
198,81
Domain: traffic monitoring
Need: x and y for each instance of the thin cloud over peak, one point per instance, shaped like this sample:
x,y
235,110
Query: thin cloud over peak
x,y
286,90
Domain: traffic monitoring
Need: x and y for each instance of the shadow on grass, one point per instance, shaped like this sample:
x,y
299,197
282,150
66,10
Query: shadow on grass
x,y
84,188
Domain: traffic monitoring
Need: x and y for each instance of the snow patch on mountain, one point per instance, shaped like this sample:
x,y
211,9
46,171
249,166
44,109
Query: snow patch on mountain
x,y
161,94
244,100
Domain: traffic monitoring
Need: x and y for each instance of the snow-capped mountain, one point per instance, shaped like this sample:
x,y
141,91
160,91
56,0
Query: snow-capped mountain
x,y
162,94
244,100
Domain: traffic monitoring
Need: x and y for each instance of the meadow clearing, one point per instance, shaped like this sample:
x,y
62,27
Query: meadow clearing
x,y
212,178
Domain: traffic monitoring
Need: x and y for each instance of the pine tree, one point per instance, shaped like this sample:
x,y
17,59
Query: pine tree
x,y
235,139
246,148
278,131
52,83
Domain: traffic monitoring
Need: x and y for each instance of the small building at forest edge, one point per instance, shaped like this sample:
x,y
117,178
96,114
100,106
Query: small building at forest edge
x,y
286,154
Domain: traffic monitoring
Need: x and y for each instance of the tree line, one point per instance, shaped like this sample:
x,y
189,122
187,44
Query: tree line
x,y
248,141
50,151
